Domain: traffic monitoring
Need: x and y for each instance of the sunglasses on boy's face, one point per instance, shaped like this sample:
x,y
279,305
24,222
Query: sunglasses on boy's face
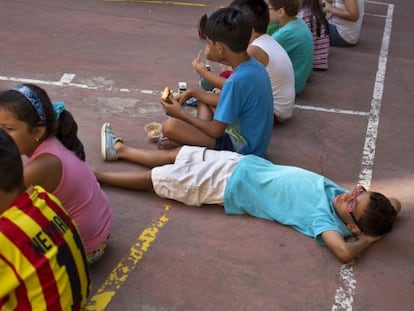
x,y
353,202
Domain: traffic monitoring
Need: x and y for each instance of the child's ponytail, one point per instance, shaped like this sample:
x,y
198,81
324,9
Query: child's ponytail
x,y
67,133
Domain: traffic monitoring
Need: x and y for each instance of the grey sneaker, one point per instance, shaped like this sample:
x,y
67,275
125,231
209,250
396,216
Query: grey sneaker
x,y
108,140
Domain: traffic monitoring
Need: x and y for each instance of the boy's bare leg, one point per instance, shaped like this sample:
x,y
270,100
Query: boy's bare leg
x,y
132,180
187,134
204,112
146,157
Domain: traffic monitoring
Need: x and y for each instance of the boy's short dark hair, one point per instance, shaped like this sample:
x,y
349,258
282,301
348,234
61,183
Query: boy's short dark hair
x,y
230,27
379,217
256,12
291,7
11,166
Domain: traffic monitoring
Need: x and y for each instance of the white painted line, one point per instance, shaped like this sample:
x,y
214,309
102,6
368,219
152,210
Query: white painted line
x,y
148,92
67,78
332,110
376,2
345,292
375,15
66,81
45,82
374,114
33,81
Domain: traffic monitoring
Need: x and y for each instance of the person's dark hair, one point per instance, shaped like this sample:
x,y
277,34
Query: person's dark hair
x,y
379,217
291,6
230,27
256,12
201,26
65,128
317,13
11,166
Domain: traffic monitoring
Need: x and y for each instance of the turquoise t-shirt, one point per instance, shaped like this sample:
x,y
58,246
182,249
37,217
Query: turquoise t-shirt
x,y
296,38
289,195
246,106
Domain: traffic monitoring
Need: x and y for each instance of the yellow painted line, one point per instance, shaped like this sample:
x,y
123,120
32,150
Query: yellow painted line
x,y
162,2
120,273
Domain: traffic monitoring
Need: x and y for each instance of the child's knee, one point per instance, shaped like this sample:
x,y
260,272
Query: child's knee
x,y
167,126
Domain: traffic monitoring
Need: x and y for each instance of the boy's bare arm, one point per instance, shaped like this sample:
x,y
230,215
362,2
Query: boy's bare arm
x,y
347,250
349,13
211,77
211,128
258,54
210,99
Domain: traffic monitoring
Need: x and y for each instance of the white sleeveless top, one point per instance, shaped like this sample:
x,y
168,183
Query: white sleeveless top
x,y
349,30
281,75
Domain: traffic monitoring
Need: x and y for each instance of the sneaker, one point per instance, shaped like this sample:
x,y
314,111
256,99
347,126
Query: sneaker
x,y
108,140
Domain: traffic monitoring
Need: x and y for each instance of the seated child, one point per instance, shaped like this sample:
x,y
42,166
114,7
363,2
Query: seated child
x,y
42,259
314,16
345,21
306,201
56,161
294,36
241,117
272,55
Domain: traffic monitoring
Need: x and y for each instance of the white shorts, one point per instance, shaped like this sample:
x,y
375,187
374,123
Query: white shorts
x,y
198,176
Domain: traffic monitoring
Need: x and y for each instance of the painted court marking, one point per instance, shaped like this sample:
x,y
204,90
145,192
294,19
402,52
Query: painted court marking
x,y
67,78
120,273
162,2
345,292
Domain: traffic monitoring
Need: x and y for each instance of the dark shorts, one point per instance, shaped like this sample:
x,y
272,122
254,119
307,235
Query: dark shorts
x,y
224,143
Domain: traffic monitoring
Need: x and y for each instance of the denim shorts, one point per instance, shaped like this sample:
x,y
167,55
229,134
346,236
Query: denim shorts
x,y
335,38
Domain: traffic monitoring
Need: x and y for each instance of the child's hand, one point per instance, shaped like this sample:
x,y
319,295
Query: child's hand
x,y
216,91
370,238
172,107
328,8
199,66
182,97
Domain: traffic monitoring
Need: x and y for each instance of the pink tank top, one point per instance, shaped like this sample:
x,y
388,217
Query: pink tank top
x,y
80,194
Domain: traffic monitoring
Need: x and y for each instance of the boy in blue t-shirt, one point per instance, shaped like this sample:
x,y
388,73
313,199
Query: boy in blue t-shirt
x,y
294,36
306,201
239,119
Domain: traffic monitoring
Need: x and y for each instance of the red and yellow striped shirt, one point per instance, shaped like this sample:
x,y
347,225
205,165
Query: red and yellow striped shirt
x,y
42,259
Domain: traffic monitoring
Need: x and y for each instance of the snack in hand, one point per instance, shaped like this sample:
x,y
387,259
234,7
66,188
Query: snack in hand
x,y
166,94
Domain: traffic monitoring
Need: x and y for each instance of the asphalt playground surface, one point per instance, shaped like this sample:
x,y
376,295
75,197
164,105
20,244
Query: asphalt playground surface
x,y
109,60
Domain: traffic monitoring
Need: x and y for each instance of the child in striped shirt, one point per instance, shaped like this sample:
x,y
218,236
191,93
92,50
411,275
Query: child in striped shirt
x,y
42,259
314,16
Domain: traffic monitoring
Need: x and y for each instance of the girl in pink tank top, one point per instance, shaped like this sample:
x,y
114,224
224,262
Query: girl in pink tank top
x,y
47,134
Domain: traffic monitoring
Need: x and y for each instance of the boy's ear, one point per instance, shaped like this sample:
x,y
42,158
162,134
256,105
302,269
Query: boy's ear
x,y
396,204
282,12
221,47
